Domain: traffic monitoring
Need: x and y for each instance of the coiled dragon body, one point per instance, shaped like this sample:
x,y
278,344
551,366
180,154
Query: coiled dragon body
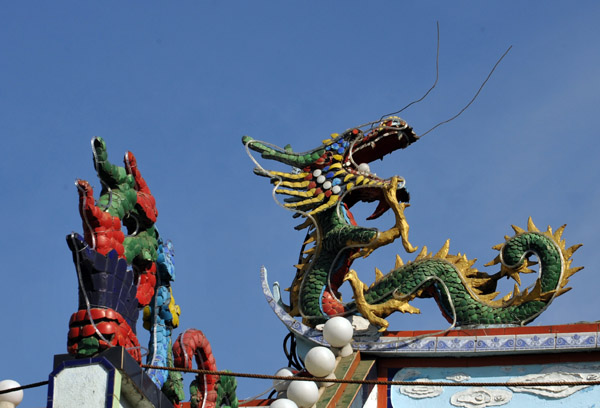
x,y
323,186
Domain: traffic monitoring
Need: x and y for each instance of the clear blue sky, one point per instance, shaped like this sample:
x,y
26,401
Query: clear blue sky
x,y
179,84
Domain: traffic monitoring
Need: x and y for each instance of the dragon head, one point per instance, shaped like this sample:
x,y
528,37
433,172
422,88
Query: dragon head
x,y
338,170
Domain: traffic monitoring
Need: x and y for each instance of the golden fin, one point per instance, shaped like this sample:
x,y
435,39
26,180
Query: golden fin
x,y
378,277
571,250
558,233
443,252
306,223
295,193
289,176
518,230
305,202
531,226
562,290
488,297
309,240
422,254
572,271
295,184
494,261
332,200
399,262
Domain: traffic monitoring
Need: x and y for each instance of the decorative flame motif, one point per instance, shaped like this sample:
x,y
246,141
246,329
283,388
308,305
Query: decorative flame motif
x,y
479,397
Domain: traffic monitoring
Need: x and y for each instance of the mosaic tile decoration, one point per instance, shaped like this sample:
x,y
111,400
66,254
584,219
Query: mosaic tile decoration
x,y
490,344
508,340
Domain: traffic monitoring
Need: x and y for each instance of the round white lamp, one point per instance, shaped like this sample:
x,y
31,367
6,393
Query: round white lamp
x,y
303,393
319,361
12,399
338,331
283,403
281,385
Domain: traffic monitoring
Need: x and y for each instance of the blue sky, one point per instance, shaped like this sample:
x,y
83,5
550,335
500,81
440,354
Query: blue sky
x,y
179,84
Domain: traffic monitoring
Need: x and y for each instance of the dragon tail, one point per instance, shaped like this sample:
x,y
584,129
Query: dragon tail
x,y
465,295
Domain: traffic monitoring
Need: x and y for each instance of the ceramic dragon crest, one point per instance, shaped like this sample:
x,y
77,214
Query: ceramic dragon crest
x,y
123,265
324,184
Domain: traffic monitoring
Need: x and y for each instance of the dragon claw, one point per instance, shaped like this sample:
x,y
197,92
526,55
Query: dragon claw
x,y
376,313
400,228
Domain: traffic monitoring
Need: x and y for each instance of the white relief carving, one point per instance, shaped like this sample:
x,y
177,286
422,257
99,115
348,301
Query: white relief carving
x,y
557,373
479,397
458,377
364,331
406,374
417,391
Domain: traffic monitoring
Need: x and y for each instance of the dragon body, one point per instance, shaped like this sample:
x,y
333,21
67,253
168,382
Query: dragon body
x,y
323,186
122,270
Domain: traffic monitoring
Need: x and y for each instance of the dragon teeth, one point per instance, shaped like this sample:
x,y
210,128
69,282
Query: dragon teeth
x,y
364,168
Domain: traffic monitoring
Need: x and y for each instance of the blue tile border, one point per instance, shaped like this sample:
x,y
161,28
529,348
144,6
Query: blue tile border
x,y
454,344
437,345
495,343
535,342
575,340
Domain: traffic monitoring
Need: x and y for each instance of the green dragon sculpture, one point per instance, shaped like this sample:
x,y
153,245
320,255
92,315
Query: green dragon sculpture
x,y
123,265
326,182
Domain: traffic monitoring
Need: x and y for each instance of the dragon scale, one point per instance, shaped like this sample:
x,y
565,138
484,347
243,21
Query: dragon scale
x,y
123,265
455,299
329,180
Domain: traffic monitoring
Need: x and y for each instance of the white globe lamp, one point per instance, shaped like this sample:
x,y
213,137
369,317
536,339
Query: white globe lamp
x,y
338,331
281,385
320,361
283,403
303,393
11,399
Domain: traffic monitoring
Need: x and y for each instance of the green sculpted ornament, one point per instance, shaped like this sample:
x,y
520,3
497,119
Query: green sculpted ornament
x,y
326,182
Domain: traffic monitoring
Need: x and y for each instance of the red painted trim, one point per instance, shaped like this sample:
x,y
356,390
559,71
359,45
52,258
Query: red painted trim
x,y
382,390
256,403
340,391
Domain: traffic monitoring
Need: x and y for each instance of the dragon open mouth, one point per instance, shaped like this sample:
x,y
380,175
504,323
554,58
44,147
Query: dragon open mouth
x,y
391,134
370,194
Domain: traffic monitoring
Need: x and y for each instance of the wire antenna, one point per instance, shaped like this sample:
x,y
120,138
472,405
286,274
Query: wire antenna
x,y
437,76
474,97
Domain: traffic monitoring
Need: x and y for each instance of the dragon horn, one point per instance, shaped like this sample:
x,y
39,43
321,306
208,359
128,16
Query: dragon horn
x,y
287,156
